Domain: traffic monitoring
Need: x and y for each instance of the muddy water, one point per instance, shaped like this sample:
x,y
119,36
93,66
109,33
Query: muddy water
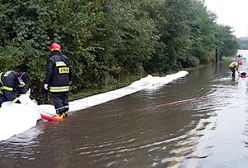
x,y
200,121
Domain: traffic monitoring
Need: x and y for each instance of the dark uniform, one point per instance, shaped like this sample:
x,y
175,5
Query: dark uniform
x,y
12,85
58,78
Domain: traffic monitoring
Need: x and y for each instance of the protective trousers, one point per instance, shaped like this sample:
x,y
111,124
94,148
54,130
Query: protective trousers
x,y
60,102
233,71
2,99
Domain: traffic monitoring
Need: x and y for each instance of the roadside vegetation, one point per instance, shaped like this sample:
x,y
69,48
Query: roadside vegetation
x,y
243,43
109,40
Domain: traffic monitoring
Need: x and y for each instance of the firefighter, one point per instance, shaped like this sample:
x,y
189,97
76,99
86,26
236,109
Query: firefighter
x,y
58,78
13,84
234,66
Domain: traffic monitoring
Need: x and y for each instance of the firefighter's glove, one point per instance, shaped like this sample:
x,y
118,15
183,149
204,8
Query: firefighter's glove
x,y
46,86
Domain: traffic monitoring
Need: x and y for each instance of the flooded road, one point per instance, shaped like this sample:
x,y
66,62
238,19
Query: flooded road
x,y
200,121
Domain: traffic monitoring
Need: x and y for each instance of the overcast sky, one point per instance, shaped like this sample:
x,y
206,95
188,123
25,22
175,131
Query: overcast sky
x,y
233,13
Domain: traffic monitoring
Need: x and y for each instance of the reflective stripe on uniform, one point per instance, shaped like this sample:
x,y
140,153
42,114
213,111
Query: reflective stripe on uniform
x,y
4,87
64,107
15,100
60,63
59,89
7,88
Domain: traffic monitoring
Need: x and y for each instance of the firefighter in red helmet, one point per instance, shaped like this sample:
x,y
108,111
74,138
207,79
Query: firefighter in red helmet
x,y
55,47
58,78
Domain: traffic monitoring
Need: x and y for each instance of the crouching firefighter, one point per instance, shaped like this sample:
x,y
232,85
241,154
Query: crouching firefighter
x,y
234,67
58,78
13,84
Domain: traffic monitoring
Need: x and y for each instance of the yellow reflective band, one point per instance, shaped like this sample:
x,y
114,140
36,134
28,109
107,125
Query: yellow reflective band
x,y
59,90
64,70
60,64
15,100
7,88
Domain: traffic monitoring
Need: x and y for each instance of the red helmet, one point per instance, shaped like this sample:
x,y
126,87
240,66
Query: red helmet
x,y
55,46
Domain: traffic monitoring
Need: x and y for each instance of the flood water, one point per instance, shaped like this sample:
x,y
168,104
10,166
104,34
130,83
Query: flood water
x,y
200,121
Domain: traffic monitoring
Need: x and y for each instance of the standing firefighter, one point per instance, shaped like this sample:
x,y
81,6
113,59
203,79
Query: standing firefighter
x,y
58,78
13,84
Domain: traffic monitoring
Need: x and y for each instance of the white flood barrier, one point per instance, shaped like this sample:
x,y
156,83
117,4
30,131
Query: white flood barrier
x,y
18,118
148,82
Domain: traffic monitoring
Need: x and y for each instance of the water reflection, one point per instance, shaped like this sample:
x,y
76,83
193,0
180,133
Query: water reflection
x,y
20,147
28,137
162,133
